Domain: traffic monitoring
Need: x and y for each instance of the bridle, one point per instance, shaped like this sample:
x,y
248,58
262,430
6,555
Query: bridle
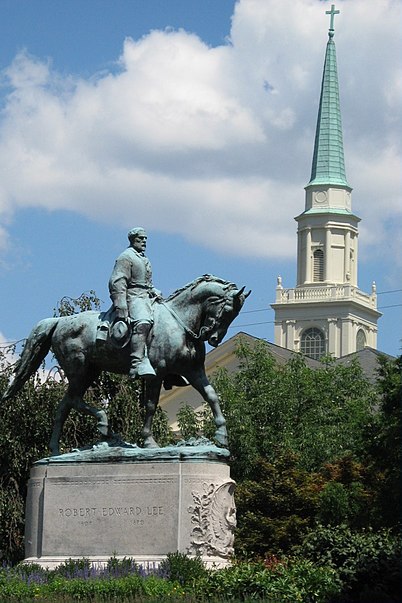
x,y
204,330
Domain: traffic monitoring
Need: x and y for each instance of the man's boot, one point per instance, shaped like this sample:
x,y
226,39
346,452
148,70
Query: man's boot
x,y
140,365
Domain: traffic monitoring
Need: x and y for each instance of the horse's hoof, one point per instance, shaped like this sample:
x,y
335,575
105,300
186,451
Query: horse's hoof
x,y
221,437
150,443
113,439
103,429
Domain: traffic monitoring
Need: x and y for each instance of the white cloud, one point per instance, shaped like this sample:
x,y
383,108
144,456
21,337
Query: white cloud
x,y
8,355
211,141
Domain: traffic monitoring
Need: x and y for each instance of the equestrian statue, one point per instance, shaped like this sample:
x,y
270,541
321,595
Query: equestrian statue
x,y
161,341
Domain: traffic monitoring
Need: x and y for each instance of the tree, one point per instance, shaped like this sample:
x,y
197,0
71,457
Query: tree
x,y
384,443
319,414
299,439
276,507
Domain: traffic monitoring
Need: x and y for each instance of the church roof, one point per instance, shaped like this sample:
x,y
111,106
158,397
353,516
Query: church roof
x,y
328,165
368,359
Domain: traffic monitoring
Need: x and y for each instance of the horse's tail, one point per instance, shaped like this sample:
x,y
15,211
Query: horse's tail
x,y
35,350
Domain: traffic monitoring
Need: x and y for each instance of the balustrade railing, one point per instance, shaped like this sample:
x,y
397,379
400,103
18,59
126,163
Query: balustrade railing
x,y
331,292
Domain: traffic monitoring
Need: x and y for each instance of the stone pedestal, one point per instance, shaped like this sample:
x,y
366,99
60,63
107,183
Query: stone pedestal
x,y
126,506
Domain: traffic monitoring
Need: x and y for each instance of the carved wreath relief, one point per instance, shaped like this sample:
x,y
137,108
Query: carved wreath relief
x,y
213,517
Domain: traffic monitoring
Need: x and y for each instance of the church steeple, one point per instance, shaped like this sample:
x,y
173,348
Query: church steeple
x,y
328,187
326,312
328,165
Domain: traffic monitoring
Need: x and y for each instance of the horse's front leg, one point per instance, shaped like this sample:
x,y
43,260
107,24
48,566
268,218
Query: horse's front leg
x,y
200,382
151,393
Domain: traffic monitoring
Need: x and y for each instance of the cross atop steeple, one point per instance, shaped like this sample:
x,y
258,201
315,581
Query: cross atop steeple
x,y
332,12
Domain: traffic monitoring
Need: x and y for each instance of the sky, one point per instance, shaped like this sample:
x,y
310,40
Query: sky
x,y
194,119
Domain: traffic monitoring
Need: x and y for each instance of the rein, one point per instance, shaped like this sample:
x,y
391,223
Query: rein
x,y
203,330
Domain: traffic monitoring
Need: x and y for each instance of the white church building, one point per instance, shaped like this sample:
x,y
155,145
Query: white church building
x,y
326,313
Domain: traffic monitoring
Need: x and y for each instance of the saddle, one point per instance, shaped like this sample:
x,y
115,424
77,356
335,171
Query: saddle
x,y
118,332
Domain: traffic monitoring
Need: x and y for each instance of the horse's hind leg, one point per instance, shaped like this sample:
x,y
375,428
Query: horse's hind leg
x,y
62,412
73,398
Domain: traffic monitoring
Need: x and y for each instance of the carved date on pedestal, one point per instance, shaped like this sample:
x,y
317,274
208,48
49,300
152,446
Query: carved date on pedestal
x,y
213,517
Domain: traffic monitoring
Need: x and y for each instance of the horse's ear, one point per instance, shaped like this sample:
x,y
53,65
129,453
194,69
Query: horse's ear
x,y
239,293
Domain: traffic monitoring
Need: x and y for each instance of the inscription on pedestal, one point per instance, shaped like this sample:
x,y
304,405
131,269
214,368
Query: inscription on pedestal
x,y
135,515
106,515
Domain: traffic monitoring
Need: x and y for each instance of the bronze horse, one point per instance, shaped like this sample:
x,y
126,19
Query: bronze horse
x,y
198,312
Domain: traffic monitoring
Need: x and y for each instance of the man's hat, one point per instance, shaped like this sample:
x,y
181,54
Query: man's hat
x,y
120,334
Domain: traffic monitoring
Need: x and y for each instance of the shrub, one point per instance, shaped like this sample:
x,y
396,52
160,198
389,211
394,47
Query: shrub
x,y
367,562
276,508
287,582
118,568
182,568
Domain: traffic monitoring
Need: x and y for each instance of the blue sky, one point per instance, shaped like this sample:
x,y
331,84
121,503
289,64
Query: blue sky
x,y
195,119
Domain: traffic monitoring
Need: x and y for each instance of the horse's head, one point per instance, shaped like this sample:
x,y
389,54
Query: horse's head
x,y
220,312
206,307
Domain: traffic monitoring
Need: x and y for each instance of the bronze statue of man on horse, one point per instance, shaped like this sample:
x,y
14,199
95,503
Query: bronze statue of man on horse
x,y
167,340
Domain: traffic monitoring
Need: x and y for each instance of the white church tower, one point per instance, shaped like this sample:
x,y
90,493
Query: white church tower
x,y
326,313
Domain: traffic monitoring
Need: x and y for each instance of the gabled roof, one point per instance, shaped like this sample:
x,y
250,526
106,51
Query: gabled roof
x,y
367,357
368,360
281,355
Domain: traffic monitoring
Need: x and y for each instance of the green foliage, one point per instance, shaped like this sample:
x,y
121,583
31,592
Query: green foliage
x,y
348,495
286,582
195,424
190,422
307,445
320,414
70,567
70,305
25,424
367,562
90,589
118,567
276,507
161,430
183,569
384,443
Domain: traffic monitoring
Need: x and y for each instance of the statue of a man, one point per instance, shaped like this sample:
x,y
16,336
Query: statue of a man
x,y
132,292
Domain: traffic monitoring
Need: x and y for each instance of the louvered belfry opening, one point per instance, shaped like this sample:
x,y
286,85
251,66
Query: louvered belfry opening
x,y
360,340
318,266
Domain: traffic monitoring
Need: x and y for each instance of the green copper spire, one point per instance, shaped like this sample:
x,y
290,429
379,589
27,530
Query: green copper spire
x,y
328,161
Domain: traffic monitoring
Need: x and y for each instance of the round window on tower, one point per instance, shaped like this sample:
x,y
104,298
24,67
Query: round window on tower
x,y
320,197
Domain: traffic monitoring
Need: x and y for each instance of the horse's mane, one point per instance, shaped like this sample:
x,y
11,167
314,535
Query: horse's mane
x,y
227,285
